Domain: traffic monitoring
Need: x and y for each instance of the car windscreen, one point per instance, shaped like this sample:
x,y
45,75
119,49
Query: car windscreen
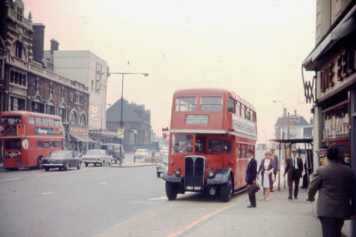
x,y
60,154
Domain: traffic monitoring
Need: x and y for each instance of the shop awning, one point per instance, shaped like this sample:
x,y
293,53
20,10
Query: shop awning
x,y
81,138
344,28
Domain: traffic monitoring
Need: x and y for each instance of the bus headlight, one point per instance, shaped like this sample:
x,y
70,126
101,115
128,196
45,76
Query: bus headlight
x,y
211,174
25,144
178,172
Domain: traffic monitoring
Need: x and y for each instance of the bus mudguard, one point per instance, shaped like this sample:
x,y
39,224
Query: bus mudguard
x,y
219,177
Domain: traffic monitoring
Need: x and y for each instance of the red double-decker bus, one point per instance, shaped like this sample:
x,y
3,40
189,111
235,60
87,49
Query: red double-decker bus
x,y
212,135
28,137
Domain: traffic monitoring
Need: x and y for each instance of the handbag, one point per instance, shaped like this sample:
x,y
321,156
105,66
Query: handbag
x,y
255,187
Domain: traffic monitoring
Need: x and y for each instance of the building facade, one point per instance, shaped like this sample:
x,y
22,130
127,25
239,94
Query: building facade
x,y
25,82
137,123
292,126
333,88
89,70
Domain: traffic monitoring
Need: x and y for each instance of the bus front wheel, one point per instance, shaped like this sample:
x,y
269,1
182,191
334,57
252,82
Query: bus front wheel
x,y
225,193
171,191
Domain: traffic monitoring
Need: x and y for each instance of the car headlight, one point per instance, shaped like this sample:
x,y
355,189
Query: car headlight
x,y
211,174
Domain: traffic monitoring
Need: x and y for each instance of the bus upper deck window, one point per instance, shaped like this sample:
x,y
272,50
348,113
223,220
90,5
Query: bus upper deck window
x,y
211,103
185,104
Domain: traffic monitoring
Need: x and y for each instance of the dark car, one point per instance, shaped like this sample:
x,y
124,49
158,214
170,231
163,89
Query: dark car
x,y
116,151
64,160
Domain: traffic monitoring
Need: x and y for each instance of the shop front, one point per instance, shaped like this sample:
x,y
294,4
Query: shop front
x,y
79,139
333,91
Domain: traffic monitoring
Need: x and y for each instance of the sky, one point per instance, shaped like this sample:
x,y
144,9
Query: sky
x,y
254,48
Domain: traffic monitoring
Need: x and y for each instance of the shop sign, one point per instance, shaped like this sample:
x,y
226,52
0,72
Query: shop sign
x,y
338,71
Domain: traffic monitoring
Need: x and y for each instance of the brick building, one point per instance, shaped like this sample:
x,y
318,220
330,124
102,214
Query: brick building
x,y
137,123
26,84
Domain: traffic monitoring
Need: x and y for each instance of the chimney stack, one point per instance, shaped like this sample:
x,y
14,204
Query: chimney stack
x,y
54,45
38,42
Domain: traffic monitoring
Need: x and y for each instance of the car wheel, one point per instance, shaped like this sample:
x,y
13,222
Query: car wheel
x,y
66,166
46,168
225,193
78,166
171,191
86,164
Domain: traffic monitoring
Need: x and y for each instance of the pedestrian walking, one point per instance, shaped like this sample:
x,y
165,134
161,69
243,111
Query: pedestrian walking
x,y
251,176
266,171
293,170
335,183
275,165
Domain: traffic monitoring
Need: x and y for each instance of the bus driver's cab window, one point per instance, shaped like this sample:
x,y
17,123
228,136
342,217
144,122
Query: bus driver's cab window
x,y
219,146
183,143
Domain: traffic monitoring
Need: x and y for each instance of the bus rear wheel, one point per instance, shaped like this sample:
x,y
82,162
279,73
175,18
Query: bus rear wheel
x,y
225,192
171,191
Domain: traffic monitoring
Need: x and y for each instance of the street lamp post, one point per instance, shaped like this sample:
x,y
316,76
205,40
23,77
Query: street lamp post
x,y
122,90
279,159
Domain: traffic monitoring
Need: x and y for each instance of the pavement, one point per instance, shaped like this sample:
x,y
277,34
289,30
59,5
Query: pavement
x,y
108,201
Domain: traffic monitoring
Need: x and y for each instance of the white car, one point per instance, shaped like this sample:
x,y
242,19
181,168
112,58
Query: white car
x,y
162,167
142,154
97,157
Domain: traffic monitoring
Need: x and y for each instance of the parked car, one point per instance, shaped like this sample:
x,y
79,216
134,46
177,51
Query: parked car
x,y
162,167
97,157
64,160
142,154
116,151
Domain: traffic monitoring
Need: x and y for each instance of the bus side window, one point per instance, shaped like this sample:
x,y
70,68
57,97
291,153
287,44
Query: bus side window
x,y
238,109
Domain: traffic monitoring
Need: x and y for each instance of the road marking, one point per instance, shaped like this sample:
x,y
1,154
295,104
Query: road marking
x,y
10,179
198,221
46,193
103,183
158,198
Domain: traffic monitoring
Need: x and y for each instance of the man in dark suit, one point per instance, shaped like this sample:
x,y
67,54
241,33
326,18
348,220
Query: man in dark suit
x,y
336,202
251,175
293,170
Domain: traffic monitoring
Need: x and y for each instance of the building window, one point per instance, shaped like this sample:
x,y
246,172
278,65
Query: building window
x,y
83,120
73,118
37,107
17,104
62,92
19,49
51,89
63,114
19,13
18,78
50,109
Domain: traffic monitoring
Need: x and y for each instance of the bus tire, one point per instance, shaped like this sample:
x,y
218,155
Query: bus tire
x,y
171,191
225,192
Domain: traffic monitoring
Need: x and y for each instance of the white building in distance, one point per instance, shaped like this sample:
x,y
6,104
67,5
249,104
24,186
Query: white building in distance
x,y
89,69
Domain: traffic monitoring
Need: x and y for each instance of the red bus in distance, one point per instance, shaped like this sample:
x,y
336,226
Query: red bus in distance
x,y
212,135
27,137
